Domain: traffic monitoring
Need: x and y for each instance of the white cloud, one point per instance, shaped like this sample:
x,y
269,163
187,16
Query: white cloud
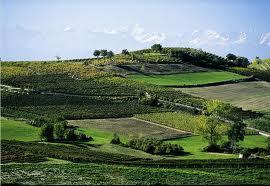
x,y
242,38
121,29
208,37
67,29
141,36
265,39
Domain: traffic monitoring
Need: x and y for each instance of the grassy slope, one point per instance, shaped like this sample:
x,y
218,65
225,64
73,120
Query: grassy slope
x,y
85,174
197,78
18,130
248,95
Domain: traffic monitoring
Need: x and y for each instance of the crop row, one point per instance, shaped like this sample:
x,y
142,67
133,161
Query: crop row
x,y
70,107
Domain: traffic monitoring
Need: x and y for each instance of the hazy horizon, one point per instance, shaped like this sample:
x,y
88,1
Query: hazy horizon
x,y
40,30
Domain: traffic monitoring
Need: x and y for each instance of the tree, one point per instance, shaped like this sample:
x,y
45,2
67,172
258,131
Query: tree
x,y
59,130
58,58
231,57
156,47
47,132
116,139
242,61
110,54
70,135
210,124
96,53
103,53
236,133
125,52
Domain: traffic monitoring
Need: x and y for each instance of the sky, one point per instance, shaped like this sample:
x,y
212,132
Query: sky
x,y
43,29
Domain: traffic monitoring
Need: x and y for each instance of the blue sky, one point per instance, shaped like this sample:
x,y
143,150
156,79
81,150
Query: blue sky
x,y
42,29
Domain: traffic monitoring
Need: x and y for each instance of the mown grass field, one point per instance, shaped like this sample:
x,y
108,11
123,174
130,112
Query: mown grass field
x,y
18,130
128,127
196,78
248,95
85,174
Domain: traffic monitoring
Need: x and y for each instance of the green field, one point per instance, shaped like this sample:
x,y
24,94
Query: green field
x,y
18,130
248,95
196,78
93,174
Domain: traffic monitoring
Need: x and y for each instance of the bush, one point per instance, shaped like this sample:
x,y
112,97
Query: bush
x,y
70,135
116,139
83,137
47,132
154,146
213,148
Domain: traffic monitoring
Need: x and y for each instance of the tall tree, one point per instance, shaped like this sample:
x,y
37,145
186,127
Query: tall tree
x,y
125,52
110,54
47,132
236,134
156,47
242,61
58,58
96,53
231,57
210,124
103,53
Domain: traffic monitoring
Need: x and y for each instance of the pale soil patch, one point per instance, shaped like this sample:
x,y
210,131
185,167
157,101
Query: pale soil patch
x,y
248,95
129,127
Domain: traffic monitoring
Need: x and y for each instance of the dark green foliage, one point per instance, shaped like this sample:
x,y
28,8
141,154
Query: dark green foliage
x,y
247,152
261,123
96,53
154,146
47,132
231,57
103,53
39,121
261,74
70,107
156,47
59,130
116,139
213,148
151,100
110,54
70,135
236,133
125,52
241,62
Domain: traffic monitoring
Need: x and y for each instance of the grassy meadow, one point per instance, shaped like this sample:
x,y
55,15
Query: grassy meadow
x,y
196,78
18,130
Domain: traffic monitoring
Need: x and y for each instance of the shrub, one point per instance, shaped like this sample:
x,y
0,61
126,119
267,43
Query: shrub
x,y
83,137
47,132
213,148
116,139
70,135
154,146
